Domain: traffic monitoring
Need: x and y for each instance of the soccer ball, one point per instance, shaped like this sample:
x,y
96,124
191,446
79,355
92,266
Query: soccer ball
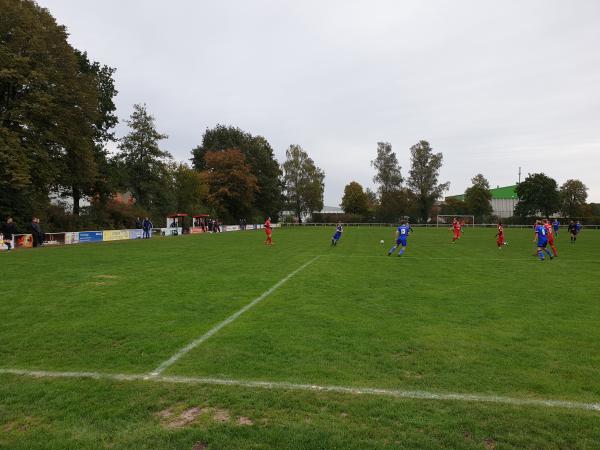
x,y
381,241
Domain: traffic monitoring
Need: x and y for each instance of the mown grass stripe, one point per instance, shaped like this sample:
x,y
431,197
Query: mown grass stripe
x,y
195,343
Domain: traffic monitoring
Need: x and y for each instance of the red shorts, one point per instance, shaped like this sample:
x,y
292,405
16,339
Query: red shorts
x,y
456,233
500,240
551,240
268,231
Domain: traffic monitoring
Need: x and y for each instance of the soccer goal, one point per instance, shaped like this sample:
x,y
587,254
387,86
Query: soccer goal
x,y
446,220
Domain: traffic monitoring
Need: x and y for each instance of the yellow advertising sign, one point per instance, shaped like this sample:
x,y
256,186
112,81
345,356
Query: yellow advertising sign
x,y
116,235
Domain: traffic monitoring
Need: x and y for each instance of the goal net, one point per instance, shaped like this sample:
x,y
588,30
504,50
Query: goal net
x,y
465,220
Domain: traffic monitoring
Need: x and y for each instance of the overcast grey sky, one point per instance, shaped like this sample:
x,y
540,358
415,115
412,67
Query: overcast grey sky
x,y
493,85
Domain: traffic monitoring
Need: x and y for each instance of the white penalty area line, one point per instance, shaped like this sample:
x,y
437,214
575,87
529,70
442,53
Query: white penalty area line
x,y
195,343
282,385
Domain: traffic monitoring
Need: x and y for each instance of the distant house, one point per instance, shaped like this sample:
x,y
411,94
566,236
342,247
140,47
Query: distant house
x,y
290,216
330,210
504,200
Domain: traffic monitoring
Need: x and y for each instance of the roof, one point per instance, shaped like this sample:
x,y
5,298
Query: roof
x,y
172,216
505,192
331,210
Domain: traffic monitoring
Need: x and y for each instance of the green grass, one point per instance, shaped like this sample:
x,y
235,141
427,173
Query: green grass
x,y
464,318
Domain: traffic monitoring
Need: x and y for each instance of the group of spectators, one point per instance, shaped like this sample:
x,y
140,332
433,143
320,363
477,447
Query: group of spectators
x,y
9,230
207,225
145,225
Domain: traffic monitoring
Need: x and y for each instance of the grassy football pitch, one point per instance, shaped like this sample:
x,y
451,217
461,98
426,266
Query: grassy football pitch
x,y
219,342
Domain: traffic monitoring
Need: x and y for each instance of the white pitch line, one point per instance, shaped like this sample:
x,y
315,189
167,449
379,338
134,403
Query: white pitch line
x,y
173,359
282,385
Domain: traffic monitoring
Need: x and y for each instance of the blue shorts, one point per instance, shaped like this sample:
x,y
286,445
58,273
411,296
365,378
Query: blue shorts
x,y
337,236
542,243
401,241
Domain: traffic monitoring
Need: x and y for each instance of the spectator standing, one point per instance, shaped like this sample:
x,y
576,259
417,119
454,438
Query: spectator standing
x,y
8,231
36,232
138,223
147,227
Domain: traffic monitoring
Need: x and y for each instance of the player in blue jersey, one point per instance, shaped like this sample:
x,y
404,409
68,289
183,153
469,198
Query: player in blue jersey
x,y
337,235
401,238
574,229
541,239
555,227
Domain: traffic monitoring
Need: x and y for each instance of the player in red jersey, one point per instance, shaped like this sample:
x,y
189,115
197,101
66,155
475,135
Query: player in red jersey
x,y
268,231
500,241
550,234
456,230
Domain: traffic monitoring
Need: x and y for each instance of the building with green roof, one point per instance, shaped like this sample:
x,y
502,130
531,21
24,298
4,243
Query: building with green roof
x,y
504,200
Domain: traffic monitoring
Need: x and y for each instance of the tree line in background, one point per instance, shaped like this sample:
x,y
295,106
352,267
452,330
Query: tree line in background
x,y
57,119
396,196
538,194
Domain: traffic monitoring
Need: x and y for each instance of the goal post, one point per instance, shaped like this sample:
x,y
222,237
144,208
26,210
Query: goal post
x,y
446,220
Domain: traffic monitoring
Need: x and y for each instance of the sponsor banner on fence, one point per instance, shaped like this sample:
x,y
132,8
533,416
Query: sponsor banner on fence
x,y
115,235
3,246
136,234
90,236
23,240
54,239
71,237
230,227
196,230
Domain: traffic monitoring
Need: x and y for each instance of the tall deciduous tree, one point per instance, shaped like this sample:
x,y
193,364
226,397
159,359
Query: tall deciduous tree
x,y
388,176
423,177
303,182
103,185
258,154
231,184
453,206
573,195
478,197
47,108
191,189
144,162
538,193
355,200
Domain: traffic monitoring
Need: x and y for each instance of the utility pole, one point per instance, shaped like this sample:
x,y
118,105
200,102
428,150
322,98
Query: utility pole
x,y
519,174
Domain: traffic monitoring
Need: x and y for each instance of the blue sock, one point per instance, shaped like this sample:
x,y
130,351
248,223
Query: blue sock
x,y
392,250
401,251
541,255
548,253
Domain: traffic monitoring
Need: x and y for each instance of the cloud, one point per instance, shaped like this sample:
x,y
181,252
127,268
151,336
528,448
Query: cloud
x,y
492,85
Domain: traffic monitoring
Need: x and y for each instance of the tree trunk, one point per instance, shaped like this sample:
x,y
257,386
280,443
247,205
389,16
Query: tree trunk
x,y
76,200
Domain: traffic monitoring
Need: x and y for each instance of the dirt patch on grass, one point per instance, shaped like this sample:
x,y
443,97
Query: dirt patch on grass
x,y
171,420
108,277
220,415
490,444
200,446
245,421
176,417
20,425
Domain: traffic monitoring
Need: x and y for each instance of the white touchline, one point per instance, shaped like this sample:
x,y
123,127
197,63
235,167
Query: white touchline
x,y
173,359
282,385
